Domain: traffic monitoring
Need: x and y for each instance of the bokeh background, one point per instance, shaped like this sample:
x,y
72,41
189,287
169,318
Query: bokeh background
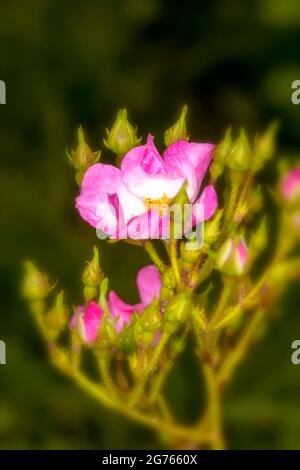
x,y
70,63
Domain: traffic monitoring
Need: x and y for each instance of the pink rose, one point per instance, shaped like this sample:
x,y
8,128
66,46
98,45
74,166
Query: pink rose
x,y
122,202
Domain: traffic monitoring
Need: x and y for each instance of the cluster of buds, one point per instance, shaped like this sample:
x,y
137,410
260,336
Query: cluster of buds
x,y
239,156
216,294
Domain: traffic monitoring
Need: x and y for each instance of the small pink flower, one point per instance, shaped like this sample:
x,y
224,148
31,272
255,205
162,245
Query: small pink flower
x,y
87,320
149,284
122,202
290,185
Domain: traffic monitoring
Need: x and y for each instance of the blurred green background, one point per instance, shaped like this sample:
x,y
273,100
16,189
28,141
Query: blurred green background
x,y
70,63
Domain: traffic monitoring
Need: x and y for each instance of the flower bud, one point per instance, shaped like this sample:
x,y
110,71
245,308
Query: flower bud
x,y
178,131
123,136
212,228
56,319
290,186
220,155
108,335
264,147
239,158
232,257
177,311
150,317
92,276
259,238
87,320
35,284
83,157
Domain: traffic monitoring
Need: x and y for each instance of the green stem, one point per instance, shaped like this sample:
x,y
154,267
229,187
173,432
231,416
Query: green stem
x,y
237,354
213,408
174,260
154,256
138,390
106,376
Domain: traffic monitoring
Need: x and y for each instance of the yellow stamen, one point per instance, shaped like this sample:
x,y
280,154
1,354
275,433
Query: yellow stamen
x,y
161,204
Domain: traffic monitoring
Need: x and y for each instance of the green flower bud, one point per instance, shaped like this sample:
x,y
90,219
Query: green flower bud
x,y
239,158
259,238
177,311
150,318
107,334
178,131
220,155
35,285
123,136
83,157
92,276
232,257
56,319
264,146
216,170
212,228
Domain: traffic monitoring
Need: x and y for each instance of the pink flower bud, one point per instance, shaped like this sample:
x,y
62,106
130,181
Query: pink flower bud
x,y
290,185
87,320
232,257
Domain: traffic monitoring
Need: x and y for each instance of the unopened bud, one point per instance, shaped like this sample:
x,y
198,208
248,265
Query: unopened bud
x,y
123,136
258,241
92,276
56,319
212,228
35,284
83,157
220,155
290,186
232,257
177,311
178,131
239,158
264,146
151,318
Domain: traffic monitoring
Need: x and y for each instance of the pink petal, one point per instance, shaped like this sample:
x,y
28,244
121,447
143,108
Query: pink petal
x,y
143,172
149,284
191,160
104,201
209,201
120,309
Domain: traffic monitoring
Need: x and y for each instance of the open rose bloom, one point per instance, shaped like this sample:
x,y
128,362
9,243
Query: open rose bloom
x,y
133,201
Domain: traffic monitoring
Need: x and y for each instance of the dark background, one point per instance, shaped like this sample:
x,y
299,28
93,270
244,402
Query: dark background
x,y
70,63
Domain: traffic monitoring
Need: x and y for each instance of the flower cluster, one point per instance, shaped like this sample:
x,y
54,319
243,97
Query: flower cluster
x,y
217,295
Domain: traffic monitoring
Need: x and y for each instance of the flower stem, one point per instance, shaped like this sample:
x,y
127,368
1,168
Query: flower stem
x,y
236,355
154,256
213,408
174,260
138,390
